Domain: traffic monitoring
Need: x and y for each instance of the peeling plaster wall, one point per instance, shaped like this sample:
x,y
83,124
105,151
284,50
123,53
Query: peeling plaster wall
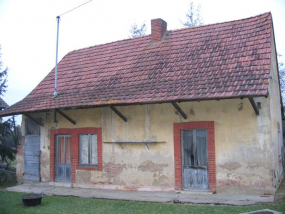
x,y
243,145
243,150
20,162
275,114
44,147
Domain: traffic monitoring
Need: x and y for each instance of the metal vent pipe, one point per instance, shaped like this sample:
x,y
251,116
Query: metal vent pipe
x,y
56,58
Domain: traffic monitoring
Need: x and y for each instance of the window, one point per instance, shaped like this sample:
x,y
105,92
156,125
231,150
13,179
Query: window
x,y
88,150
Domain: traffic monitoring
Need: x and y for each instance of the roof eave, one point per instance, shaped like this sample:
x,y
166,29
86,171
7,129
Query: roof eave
x,y
2,114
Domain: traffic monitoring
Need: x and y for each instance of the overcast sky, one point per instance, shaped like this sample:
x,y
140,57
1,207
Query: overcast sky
x,y
28,29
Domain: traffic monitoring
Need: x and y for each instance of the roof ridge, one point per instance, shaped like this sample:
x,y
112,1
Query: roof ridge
x,y
236,20
181,29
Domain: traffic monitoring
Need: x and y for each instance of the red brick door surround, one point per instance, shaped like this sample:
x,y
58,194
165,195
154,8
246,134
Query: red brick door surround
x,y
177,128
74,149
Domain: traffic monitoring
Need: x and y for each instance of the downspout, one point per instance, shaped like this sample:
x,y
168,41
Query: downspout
x,y
56,57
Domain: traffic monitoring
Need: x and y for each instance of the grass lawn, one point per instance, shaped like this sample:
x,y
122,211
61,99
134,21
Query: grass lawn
x,y
10,202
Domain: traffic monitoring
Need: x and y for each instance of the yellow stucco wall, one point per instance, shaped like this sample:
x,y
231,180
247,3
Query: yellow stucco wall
x,y
243,143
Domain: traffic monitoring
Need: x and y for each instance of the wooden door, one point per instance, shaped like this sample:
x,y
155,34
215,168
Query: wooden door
x,y
63,158
32,158
195,159
32,151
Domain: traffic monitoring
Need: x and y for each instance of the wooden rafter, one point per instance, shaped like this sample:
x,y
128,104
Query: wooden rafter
x,y
55,117
181,112
119,113
254,106
33,119
66,117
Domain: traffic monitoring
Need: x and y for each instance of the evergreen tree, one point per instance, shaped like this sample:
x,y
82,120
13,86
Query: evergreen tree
x,y
8,129
3,77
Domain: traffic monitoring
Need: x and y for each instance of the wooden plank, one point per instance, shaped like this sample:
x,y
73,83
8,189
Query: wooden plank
x,y
135,142
181,112
67,117
33,119
119,113
30,177
32,158
254,106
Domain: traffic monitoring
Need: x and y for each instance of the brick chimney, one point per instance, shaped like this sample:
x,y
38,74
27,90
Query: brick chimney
x,y
158,30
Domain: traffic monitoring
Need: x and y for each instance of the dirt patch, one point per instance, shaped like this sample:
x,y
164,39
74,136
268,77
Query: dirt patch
x,y
83,177
151,166
231,165
112,170
162,180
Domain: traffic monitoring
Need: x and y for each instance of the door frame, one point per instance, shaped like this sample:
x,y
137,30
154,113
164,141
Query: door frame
x,y
182,153
56,156
177,128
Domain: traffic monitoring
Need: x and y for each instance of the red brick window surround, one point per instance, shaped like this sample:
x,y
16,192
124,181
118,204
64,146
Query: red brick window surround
x,y
177,128
75,149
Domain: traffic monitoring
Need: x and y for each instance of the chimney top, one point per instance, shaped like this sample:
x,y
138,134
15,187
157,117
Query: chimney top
x,y
158,30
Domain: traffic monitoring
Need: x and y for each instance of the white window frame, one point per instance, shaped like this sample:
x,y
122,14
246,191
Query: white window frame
x,y
89,164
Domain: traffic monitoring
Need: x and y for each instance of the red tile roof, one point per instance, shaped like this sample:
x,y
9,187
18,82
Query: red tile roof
x,y
217,61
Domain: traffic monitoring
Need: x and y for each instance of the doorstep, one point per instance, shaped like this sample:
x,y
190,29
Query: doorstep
x,y
60,184
195,192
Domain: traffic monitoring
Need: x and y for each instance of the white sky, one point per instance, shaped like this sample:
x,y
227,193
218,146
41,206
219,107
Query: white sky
x,y
28,29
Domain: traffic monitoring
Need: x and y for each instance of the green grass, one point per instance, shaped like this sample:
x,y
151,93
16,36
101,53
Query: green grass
x,y
10,202
10,182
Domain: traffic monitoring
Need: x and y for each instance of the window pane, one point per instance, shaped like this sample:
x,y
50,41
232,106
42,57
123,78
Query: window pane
x,y
202,151
67,149
60,150
188,147
83,139
93,148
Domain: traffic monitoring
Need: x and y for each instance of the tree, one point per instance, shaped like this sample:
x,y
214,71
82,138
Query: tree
x,y
135,31
193,16
6,153
8,128
282,79
3,77
15,131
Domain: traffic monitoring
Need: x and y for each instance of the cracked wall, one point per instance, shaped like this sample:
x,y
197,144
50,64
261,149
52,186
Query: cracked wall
x,y
244,145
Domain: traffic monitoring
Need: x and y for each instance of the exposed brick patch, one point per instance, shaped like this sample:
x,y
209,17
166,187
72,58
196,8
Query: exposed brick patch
x,y
75,149
177,128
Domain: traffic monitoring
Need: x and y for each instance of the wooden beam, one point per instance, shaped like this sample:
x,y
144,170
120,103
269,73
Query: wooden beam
x,y
119,113
254,106
55,117
181,112
33,119
67,117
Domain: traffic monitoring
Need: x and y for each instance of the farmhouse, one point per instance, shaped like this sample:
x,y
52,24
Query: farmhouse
x,y
195,109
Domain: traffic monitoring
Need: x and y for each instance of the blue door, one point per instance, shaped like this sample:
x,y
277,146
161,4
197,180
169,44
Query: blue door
x,y
63,158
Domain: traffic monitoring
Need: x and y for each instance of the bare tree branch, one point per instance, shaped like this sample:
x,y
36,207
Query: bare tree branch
x,y
136,31
193,17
